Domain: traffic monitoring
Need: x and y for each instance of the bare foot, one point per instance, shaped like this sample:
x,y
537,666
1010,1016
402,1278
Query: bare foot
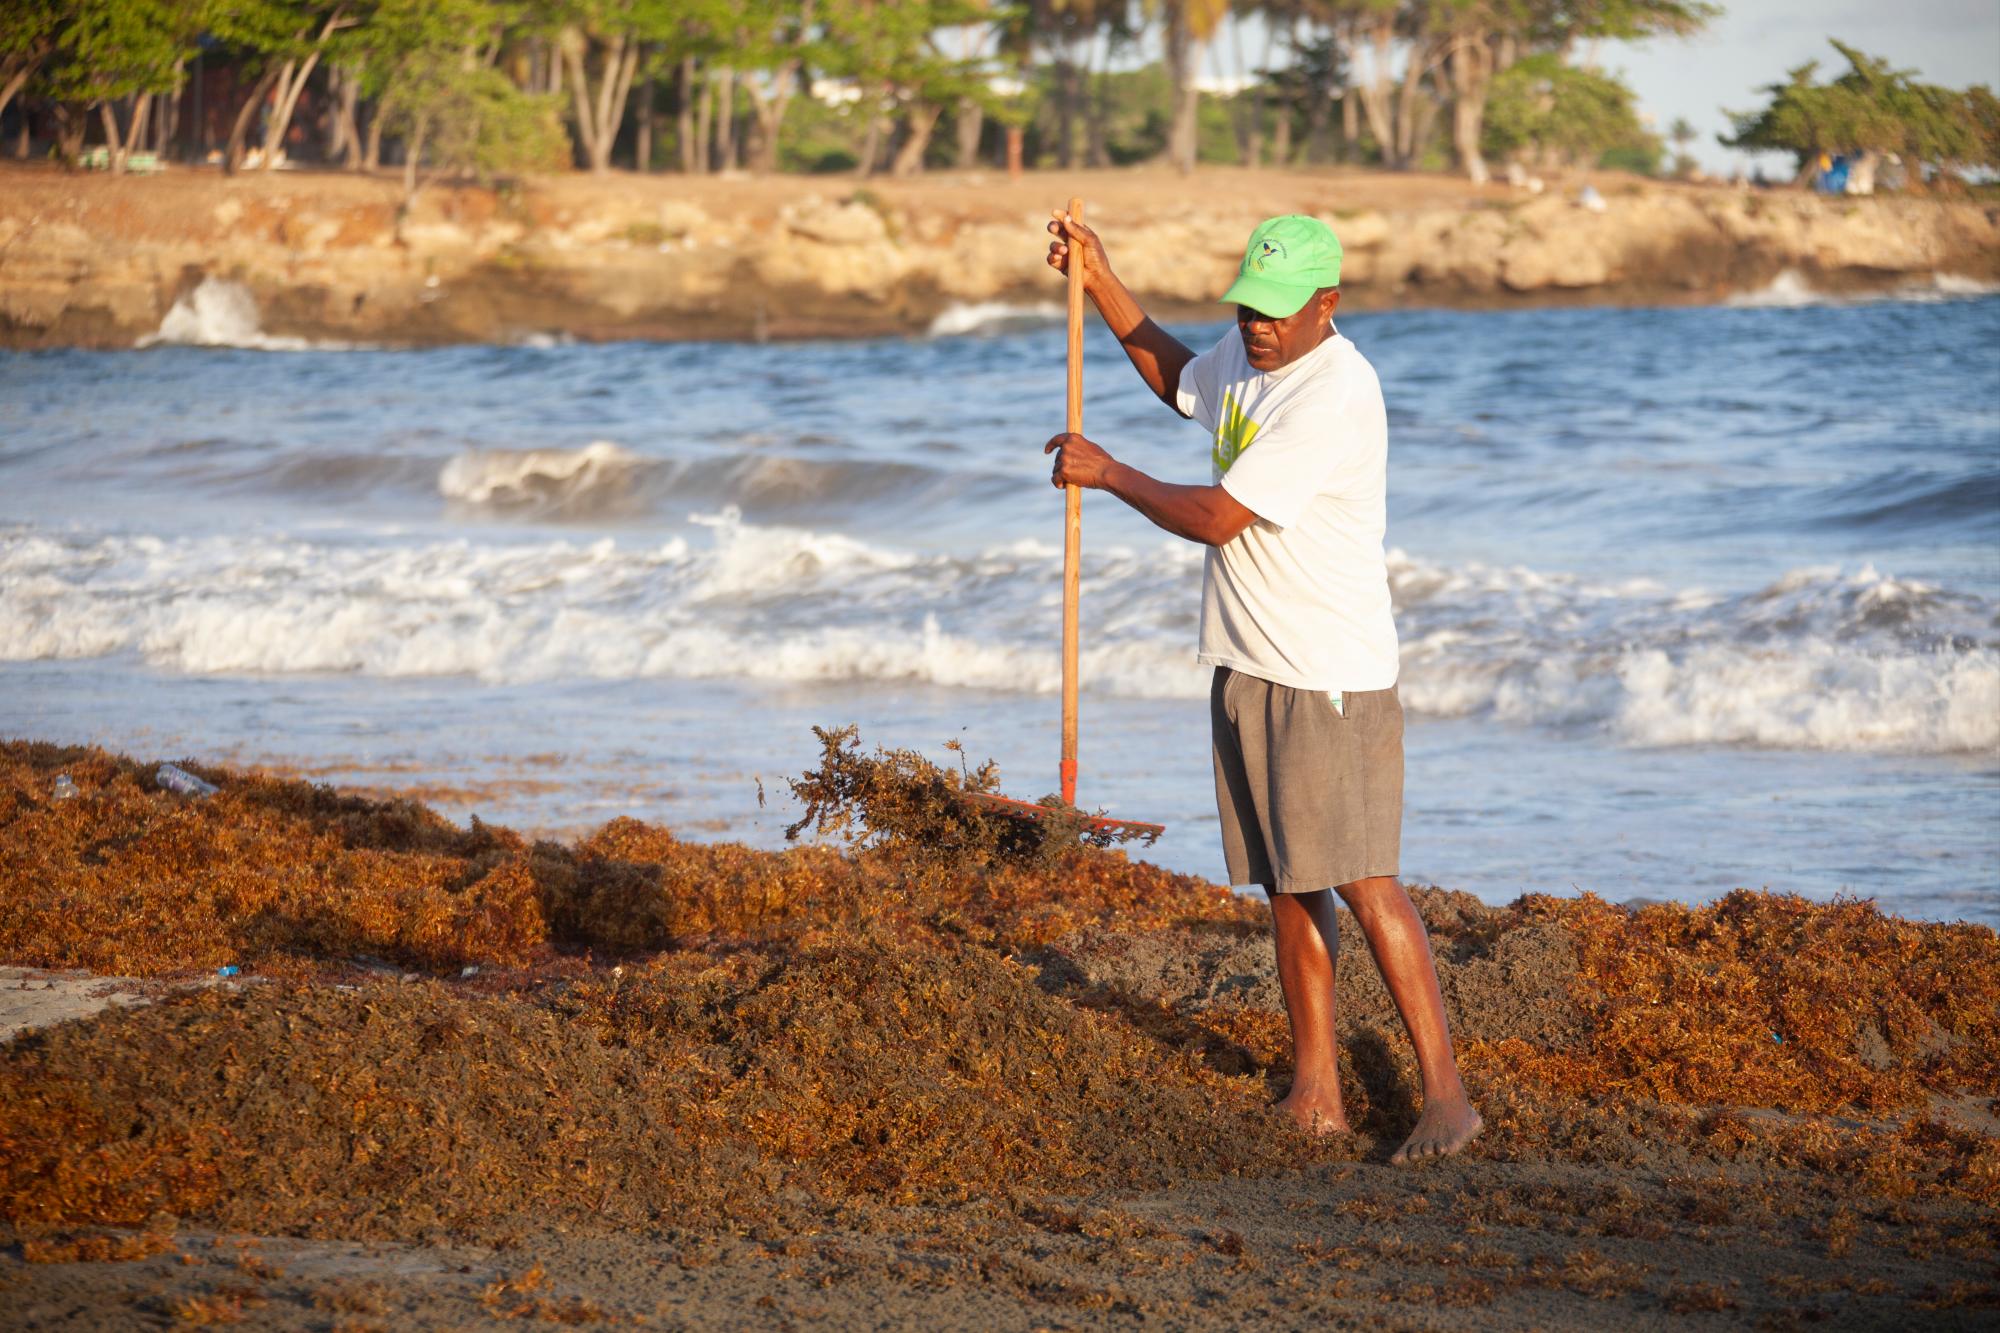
x,y
1444,1127
1316,1113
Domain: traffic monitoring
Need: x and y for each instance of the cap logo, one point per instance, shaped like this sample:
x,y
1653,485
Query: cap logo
x,y
1267,249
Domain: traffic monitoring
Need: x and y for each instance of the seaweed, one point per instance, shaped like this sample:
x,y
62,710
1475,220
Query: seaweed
x,y
686,1038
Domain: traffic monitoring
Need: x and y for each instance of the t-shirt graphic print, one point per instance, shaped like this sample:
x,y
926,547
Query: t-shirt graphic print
x,y
1234,431
1301,596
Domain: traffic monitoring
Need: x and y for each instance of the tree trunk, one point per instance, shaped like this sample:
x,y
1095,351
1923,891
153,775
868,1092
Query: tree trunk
x,y
1413,109
16,80
371,159
1375,94
289,89
725,119
920,122
111,148
1350,125
1097,111
769,111
1471,61
598,116
122,143
346,142
413,152
239,129
1065,109
1014,137
871,139
642,146
1182,50
704,116
1319,120
135,134
970,124
684,117
1246,105
72,124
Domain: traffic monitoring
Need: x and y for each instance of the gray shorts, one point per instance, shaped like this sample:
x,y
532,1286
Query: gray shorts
x,y
1309,798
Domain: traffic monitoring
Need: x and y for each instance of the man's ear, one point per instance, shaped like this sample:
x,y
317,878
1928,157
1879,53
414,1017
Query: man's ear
x,y
1331,298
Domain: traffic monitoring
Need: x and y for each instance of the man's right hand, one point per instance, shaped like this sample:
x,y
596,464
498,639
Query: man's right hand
x,y
1157,355
1073,238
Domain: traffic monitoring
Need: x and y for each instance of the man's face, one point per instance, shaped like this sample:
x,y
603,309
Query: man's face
x,y
1271,343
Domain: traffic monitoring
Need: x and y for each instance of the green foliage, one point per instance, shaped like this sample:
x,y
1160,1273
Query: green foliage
x,y
1872,108
1544,110
113,48
466,117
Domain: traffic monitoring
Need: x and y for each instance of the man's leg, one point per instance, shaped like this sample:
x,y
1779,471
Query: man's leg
x,y
1308,941
1402,949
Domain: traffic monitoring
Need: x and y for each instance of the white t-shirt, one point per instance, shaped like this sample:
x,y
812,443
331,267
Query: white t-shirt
x,y
1301,596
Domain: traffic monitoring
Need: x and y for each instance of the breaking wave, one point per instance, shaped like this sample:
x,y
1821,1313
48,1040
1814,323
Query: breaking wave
x,y
989,317
220,313
1823,659
1791,289
589,479
603,479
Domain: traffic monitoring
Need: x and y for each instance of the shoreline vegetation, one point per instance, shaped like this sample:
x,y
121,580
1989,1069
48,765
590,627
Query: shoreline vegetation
x,y
930,1077
101,261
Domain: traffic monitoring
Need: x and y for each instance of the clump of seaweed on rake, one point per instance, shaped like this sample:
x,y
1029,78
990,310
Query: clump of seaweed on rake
x,y
901,804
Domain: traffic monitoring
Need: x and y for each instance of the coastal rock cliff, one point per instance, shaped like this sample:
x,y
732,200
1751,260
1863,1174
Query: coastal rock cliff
x,y
102,262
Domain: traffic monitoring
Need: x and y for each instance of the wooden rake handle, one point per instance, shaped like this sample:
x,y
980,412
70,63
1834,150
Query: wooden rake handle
x,y
1072,524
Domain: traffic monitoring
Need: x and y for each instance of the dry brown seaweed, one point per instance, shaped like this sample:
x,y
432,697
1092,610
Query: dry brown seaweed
x,y
798,1031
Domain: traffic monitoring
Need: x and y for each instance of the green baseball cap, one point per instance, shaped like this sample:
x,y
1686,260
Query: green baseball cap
x,y
1287,260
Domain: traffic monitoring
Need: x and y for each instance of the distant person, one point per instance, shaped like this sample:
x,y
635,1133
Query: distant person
x,y
1306,724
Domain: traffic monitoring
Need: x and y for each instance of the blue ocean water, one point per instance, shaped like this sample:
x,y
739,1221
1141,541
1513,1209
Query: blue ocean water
x,y
1689,598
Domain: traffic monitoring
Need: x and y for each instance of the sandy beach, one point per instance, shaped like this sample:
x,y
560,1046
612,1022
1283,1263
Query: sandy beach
x,y
928,1079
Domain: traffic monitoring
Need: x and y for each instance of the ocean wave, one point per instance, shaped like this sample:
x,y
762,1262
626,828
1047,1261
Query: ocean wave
x,y
1822,659
590,480
1792,289
604,479
988,317
220,313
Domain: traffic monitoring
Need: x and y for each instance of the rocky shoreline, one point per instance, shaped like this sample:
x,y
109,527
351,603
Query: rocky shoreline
x,y
100,262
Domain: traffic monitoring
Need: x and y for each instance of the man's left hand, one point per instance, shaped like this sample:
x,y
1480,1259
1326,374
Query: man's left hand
x,y
1078,462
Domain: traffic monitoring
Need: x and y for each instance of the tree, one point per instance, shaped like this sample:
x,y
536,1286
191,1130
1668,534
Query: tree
x,y
772,41
105,52
291,37
1189,24
1682,133
602,42
430,63
27,40
1872,110
889,49
1480,39
1554,115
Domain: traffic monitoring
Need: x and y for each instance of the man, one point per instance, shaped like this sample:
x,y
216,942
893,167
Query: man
x,y
1295,619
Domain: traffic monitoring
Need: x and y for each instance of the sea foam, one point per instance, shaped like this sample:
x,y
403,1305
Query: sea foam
x,y
1792,289
1822,659
220,313
973,317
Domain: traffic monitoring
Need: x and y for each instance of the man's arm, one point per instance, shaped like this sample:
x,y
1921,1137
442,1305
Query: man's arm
x,y
1157,355
1206,514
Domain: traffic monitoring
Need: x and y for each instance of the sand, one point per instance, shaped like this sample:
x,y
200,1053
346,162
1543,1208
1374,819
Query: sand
x,y
33,997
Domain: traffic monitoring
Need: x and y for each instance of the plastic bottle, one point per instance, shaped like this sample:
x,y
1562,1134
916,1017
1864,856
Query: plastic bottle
x,y
177,779
65,789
